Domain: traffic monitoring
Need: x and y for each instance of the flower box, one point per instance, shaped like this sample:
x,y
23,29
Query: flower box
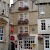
x,y
40,37
23,8
20,22
22,35
26,21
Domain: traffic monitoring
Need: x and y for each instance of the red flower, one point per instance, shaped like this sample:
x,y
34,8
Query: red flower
x,y
40,37
12,38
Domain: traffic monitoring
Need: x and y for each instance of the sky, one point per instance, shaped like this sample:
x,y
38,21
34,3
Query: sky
x,y
11,1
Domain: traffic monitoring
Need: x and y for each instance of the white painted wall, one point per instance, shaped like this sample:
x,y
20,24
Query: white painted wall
x,y
47,31
43,1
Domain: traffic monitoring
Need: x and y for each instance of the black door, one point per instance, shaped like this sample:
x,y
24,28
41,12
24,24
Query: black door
x,y
12,46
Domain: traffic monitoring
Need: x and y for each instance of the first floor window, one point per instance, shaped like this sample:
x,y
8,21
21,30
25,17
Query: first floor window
x,y
20,44
21,16
28,42
1,33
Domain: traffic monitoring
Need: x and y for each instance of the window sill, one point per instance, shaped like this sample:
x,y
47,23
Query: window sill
x,y
34,43
2,41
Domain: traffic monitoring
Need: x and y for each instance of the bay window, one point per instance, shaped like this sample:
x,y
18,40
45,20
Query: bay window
x,y
28,41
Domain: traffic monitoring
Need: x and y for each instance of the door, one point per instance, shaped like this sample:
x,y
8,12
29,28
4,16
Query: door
x,y
47,42
12,46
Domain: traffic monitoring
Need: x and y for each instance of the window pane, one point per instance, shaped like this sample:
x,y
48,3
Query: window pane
x,y
43,26
21,16
26,29
28,42
26,4
41,8
21,29
21,4
1,36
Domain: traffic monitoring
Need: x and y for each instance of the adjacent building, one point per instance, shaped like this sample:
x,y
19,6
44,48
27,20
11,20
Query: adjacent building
x,y
43,24
23,21
4,24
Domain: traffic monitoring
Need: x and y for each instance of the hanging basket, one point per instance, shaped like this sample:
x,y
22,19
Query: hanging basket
x,y
20,36
40,37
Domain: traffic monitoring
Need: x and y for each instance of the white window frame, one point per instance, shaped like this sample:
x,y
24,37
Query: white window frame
x,y
23,29
20,16
27,39
22,4
24,16
41,1
21,43
26,31
25,3
2,29
41,9
43,24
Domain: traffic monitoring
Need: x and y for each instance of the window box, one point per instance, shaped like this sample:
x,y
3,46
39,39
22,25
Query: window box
x,y
26,21
20,22
23,21
25,34
21,35
23,8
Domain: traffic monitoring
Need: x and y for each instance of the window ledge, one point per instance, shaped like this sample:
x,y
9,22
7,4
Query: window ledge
x,y
33,43
2,42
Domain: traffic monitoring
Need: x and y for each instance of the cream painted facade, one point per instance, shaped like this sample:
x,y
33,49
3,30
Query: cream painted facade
x,y
39,22
4,24
32,14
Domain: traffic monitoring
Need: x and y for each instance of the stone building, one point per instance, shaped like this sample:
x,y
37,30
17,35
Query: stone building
x,y
23,18
4,24
43,24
